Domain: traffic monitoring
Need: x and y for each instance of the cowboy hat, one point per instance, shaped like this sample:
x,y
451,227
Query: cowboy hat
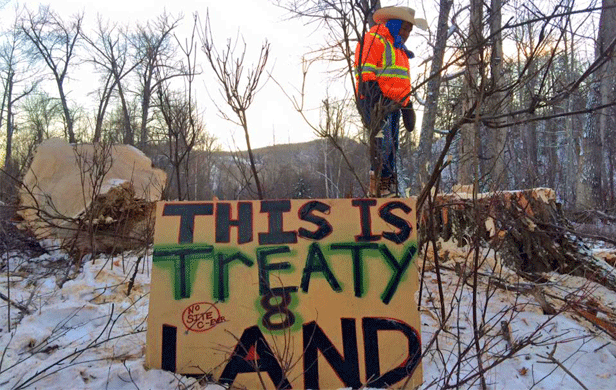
x,y
407,14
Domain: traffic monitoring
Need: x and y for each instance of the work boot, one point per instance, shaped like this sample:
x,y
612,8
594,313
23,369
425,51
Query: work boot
x,y
387,190
372,189
387,186
393,185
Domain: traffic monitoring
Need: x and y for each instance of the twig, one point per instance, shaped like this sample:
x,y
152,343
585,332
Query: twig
x,y
552,359
433,239
603,346
129,374
131,283
8,288
6,349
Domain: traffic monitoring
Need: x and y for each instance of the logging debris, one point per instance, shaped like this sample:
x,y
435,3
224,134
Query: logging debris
x,y
526,229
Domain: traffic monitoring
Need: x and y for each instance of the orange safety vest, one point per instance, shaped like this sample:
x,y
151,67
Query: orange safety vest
x,y
382,62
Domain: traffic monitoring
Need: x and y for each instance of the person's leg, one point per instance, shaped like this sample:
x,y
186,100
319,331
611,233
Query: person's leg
x,y
374,183
375,125
388,157
390,143
365,110
393,182
386,145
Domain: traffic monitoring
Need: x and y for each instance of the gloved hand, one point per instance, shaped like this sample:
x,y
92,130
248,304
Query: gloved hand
x,y
408,117
373,100
370,91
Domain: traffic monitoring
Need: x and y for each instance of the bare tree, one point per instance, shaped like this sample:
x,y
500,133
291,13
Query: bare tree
x,y
39,112
183,127
183,131
238,92
497,137
203,168
346,23
528,131
54,41
15,69
571,130
110,53
154,53
424,154
468,170
333,125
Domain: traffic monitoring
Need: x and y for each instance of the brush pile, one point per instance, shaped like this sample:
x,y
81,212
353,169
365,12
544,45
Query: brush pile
x,y
526,229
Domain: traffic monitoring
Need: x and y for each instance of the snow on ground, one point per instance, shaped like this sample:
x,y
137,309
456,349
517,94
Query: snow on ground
x,y
88,334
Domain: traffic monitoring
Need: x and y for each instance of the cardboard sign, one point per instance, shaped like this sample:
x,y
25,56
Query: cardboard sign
x,y
298,294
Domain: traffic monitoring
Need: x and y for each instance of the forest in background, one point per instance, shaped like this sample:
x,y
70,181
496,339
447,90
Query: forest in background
x,y
514,95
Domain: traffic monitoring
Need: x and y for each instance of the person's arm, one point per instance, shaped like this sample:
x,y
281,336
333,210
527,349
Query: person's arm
x,y
371,58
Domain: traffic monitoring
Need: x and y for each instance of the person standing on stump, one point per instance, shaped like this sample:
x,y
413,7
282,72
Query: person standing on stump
x,y
384,90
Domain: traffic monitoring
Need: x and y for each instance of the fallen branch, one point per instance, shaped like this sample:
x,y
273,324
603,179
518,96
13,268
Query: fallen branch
x,y
602,324
18,306
131,283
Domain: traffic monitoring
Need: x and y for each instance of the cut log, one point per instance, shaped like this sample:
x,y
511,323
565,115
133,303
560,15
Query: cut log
x,y
527,229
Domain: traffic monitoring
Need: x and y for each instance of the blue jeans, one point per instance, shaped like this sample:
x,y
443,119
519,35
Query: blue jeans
x,y
388,144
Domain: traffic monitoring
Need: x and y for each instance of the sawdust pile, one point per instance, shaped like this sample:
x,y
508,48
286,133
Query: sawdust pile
x,y
96,198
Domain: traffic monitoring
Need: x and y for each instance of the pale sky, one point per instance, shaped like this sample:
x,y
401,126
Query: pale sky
x,y
256,20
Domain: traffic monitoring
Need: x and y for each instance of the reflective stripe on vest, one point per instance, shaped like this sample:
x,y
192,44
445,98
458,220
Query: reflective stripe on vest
x,y
390,69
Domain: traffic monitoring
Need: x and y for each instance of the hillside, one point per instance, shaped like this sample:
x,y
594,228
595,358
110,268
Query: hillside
x,y
317,168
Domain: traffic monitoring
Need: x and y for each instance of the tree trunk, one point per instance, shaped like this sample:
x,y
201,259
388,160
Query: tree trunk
x,y
588,186
253,164
469,145
553,169
369,6
4,96
127,126
67,114
102,108
9,121
424,156
496,141
589,192
571,143
529,137
145,107
607,122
